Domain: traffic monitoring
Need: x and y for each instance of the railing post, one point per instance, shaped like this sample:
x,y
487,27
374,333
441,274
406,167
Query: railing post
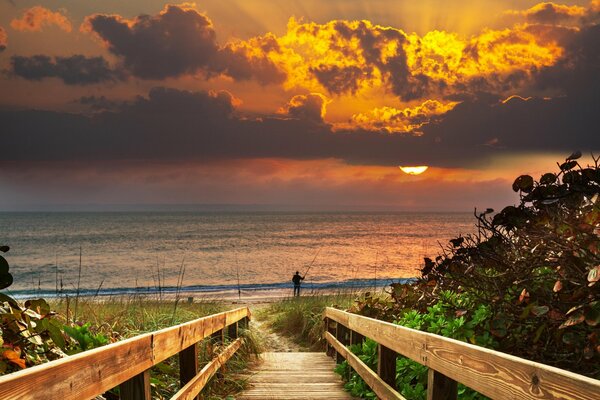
x,y
329,350
136,388
341,333
386,365
188,365
355,338
232,331
218,337
440,387
243,323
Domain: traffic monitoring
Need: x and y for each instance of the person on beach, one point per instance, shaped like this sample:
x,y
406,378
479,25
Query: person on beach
x,y
297,279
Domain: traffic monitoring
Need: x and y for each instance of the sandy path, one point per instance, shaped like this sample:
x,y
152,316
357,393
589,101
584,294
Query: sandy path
x,y
271,341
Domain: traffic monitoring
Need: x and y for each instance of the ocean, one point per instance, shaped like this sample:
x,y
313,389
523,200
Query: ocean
x,y
125,252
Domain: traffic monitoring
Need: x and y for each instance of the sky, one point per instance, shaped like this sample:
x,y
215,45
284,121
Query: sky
x,y
301,104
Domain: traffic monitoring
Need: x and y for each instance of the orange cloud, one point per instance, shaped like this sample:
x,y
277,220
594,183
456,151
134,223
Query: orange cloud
x,y
3,39
393,120
36,18
359,57
310,107
549,13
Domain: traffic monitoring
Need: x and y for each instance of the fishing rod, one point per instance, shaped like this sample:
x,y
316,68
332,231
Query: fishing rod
x,y
311,264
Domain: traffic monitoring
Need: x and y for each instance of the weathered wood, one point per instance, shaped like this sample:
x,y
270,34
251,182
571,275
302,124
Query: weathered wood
x,y
381,388
341,334
286,376
356,338
386,365
91,373
136,388
440,387
494,374
193,387
188,365
232,331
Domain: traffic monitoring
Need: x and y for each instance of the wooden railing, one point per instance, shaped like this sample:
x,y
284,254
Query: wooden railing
x,y
491,373
126,364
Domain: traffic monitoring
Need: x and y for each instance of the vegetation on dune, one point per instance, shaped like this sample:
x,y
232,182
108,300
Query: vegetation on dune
x,y
32,334
525,284
301,318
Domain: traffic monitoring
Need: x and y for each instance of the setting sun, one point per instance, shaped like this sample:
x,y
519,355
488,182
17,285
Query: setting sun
x,y
414,170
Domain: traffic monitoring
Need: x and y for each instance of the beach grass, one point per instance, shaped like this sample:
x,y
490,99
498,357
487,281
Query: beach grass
x,y
301,318
121,317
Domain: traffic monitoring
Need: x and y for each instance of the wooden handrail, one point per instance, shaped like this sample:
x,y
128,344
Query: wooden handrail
x,y
126,363
491,373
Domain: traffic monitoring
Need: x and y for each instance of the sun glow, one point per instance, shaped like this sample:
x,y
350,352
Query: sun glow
x,y
414,170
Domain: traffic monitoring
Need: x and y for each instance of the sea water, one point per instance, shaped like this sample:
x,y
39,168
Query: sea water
x,y
123,252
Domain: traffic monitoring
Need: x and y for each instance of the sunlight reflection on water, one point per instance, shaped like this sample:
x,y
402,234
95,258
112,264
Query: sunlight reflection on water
x,y
122,249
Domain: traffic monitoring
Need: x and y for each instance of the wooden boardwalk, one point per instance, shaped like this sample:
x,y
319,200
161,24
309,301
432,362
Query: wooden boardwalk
x,y
283,376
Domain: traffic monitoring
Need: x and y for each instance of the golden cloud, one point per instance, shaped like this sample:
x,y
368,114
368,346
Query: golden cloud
x,y
393,120
549,13
36,18
358,57
311,107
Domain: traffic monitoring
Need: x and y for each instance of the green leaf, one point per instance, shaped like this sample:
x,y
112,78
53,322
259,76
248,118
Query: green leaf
x,y
568,165
56,335
539,310
574,319
594,274
523,183
40,306
548,179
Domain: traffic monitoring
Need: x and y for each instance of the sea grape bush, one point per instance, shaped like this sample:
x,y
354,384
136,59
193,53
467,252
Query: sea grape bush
x,y
32,334
536,265
446,313
526,283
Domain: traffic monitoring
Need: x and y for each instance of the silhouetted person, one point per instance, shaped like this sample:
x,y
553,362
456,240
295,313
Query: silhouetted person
x,y
297,279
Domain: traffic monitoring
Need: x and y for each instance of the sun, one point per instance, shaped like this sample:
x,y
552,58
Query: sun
x,y
414,170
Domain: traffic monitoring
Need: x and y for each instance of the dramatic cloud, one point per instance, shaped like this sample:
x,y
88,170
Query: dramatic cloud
x,y
550,13
355,57
178,41
3,39
178,125
73,70
392,120
311,107
37,18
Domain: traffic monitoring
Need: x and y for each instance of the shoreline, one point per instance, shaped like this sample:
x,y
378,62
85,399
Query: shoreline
x,y
217,292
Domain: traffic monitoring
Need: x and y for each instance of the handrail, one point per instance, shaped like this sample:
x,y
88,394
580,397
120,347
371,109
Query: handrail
x,y
127,363
491,373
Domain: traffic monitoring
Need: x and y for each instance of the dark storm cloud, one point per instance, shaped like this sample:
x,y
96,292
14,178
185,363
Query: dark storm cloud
x,y
98,103
177,125
309,107
73,70
177,41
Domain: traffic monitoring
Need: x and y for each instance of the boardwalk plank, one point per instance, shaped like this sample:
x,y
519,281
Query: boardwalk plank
x,y
289,376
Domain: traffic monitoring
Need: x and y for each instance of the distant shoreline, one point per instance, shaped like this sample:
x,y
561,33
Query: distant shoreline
x,y
224,292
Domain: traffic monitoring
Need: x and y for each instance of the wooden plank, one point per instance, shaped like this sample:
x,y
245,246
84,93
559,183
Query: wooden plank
x,y
386,365
494,374
287,376
194,386
382,389
93,372
136,388
82,376
440,387
188,365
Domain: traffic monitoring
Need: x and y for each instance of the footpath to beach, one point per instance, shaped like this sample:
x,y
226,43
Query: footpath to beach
x,y
287,371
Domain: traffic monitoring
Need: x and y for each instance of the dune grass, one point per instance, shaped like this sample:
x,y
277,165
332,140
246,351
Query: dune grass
x,y
301,318
118,318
